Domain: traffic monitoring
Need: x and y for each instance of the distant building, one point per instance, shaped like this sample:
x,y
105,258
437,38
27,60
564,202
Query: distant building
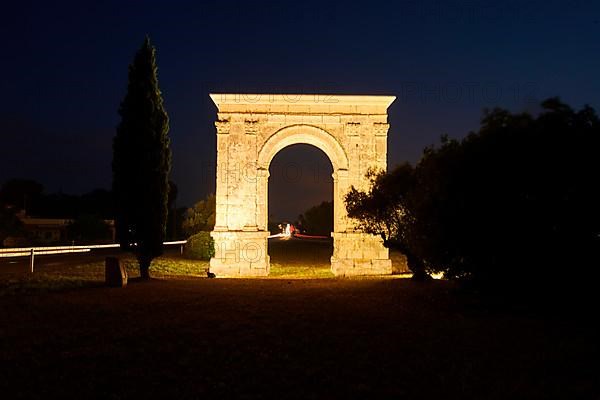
x,y
52,230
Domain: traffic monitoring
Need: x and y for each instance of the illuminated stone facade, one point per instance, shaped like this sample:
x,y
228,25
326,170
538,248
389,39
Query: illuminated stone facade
x,y
251,129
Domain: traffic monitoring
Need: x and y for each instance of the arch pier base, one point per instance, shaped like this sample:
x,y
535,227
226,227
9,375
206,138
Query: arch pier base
x,y
240,253
358,253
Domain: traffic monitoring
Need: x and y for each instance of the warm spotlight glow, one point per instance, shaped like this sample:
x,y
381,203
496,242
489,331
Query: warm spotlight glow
x,y
439,275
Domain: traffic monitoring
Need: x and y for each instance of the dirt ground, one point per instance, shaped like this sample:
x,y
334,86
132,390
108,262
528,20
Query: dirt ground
x,y
192,338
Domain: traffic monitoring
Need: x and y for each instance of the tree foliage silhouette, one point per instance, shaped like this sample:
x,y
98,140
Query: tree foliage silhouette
x,y
142,162
385,210
200,217
21,194
512,205
318,219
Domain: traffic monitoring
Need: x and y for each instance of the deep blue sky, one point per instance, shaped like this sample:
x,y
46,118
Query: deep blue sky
x,y
64,71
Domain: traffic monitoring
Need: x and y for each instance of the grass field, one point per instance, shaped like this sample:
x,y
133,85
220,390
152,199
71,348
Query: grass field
x,y
183,336
290,259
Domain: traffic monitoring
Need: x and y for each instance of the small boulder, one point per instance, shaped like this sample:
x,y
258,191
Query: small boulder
x,y
115,274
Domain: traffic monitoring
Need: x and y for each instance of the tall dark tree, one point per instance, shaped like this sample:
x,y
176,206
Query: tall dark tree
x,y
172,221
142,162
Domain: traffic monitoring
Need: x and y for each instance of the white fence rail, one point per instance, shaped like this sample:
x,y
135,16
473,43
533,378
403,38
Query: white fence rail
x,y
31,252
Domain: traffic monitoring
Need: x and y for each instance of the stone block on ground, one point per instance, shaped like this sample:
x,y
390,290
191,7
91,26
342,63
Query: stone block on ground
x,y
115,274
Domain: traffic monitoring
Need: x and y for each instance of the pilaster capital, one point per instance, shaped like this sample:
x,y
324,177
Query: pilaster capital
x,y
222,126
251,126
339,174
262,172
352,128
380,128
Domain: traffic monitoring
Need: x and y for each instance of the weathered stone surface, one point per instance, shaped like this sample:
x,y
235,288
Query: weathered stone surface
x,y
240,253
115,274
251,130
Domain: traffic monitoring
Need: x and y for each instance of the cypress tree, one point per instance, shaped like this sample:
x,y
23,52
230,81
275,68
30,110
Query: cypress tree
x,y
142,162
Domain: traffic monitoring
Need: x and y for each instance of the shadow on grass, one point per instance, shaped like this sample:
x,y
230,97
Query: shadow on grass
x,y
44,284
91,275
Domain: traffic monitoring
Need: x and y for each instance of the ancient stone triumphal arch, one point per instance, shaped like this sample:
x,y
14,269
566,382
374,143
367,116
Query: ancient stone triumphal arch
x,y
251,129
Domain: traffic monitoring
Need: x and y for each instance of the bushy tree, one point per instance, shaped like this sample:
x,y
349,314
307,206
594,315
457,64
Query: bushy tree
x,y
201,217
512,205
21,194
88,228
318,220
385,210
200,246
98,202
142,162
10,224
515,202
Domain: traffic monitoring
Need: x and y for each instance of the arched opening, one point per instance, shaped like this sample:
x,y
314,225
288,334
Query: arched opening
x,y
300,204
308,135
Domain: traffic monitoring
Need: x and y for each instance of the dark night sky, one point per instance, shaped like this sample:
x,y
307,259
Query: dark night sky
x,y
64,72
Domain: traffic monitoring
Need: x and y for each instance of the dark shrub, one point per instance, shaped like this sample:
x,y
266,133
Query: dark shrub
x,y
200,246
